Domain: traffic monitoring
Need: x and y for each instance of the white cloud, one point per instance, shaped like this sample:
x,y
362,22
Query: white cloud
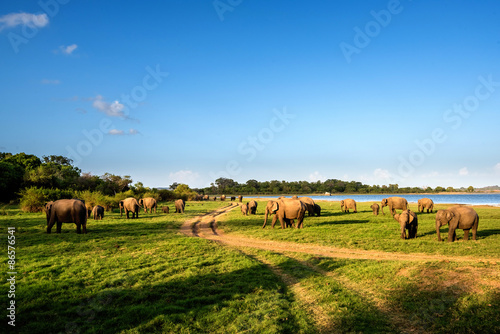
x,y
50,82
67,50
116,132
382,174
497,167
115,109
25,19
316,176
184,176
463,171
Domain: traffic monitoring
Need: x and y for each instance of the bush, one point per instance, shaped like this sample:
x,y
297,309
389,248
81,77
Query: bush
x,y
33,199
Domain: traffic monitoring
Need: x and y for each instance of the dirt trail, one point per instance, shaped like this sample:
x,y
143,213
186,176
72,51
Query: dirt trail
x,y
206,227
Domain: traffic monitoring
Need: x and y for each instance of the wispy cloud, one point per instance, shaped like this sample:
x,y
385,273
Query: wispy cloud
x,y
116,132
184,176
316,176
463,171
497,167
50,82
13,20
67,50
114,109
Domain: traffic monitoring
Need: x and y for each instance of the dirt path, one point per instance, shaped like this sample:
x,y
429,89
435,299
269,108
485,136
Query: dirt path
x,y
206,227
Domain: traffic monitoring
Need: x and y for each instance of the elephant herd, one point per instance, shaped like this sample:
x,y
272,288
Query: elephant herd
x,y
457,217
75,211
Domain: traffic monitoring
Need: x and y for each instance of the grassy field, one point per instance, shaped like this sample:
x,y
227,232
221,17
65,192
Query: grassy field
x,y
143,275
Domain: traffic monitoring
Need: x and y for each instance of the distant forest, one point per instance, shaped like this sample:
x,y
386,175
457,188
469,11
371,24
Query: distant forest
x,y
22,171
331,186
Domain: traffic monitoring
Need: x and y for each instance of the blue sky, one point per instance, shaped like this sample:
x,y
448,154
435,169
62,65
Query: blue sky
x,y
380,92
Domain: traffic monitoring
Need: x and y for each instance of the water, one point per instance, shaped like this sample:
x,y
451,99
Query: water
x,y
470,199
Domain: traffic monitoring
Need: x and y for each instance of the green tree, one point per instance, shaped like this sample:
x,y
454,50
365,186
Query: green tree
x,y
470,189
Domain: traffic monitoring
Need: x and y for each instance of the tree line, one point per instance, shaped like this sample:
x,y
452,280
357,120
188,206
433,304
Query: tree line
x,y
55,176
332,186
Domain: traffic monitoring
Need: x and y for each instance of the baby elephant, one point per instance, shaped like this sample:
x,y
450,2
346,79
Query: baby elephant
x,y
165,209
244,209
375,207
407,220
98,212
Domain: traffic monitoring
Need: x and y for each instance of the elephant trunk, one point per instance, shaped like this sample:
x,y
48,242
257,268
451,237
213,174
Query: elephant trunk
x,y
265,218
438,225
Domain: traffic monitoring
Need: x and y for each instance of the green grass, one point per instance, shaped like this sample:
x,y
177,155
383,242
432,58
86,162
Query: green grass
x,y
142,276
363,230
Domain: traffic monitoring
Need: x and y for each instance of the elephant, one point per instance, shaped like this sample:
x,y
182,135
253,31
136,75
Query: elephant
x,y
375,207
222,197
309,203
347,204
286,210
394,203
317,209
252,207
179,206
425,203
233,198
98,212
206,197
66,211
148,203
165,209
130,204
215,198
408,220
244,209
462,217
240,198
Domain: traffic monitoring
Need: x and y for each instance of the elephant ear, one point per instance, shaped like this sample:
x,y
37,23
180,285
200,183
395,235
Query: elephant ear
x,y
275,207
412,218
396,216
449,215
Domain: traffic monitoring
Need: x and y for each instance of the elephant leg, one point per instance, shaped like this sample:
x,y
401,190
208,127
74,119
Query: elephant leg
x,y
452,235
403,232
466,235
274,221
78,228
474,231
59,225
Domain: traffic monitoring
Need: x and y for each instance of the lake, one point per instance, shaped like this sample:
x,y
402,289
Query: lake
x,y
470,199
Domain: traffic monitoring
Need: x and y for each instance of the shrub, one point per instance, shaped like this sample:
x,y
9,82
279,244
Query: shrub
x,y
33,199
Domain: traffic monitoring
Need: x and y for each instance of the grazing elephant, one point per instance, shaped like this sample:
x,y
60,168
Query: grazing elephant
x,y
347,204
66,211
408,221
309,203
240,198
461,217
233,198
222,197
244,209
129,204
98,212
179,206
286,210
375,207
425,203
395,203
206,197
317,209
252,207
165,209
148,203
